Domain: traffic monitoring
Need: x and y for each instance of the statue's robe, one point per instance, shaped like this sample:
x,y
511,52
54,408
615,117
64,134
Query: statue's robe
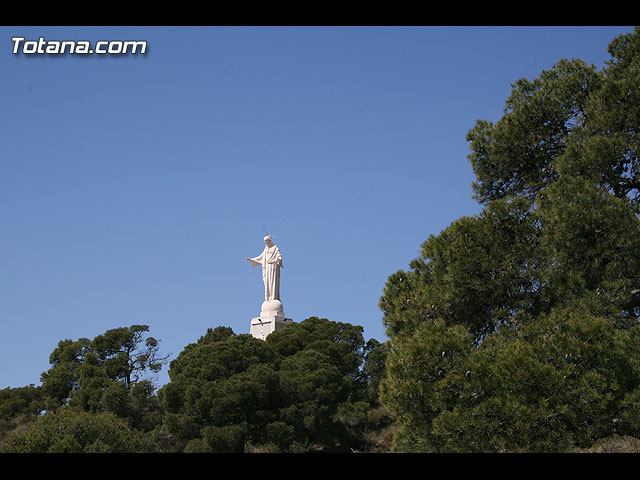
x,y
271,261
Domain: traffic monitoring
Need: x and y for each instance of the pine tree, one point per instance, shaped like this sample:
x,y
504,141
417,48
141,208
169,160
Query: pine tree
x,y
517,329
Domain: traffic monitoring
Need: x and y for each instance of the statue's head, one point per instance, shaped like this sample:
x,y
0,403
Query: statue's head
x,y
267,240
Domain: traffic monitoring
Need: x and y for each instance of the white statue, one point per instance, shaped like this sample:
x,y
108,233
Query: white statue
x,y
271,261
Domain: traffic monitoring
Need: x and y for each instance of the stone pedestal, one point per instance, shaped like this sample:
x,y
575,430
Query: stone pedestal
x,y
271,319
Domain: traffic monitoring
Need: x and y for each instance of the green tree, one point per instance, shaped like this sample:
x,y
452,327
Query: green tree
x,y
517,329
478,272
72,430
589,238
106,375
557,383
125,353
237,393
605,148
517,154
21,401
18,408
373,369
216,382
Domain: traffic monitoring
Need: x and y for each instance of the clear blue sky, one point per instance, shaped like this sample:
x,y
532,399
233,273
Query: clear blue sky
x,y
133,187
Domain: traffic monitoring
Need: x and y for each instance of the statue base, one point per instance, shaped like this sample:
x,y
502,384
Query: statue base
x,y
265,324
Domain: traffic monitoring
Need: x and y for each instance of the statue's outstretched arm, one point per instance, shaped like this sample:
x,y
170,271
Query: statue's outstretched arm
x,y
253,262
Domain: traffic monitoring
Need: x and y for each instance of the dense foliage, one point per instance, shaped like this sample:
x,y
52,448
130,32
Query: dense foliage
x,y
303,389
73,430
310,387
516,329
